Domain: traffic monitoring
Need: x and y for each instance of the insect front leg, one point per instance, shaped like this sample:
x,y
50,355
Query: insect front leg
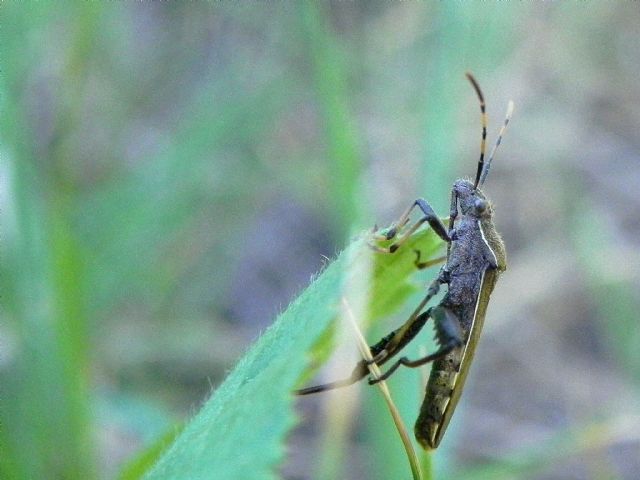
x,y
453,213
448,335
429,216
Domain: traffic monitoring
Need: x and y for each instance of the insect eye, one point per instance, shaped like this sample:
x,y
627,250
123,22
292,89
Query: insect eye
x,y
480,205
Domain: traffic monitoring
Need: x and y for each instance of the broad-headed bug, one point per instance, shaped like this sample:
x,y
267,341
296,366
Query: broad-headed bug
x,y
475,257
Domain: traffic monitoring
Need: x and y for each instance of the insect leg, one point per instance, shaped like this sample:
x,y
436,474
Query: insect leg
x,y
382,351
453,213
359,372
429,263
396,340
387,347
397,225
379,351
429,216
453,210
448,334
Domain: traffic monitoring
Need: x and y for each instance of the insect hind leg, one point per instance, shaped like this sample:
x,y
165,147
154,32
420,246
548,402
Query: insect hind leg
x,y
448,335
388,346
359,372
381,352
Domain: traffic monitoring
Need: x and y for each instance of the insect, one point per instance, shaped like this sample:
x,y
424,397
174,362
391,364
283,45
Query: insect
x,y
475,257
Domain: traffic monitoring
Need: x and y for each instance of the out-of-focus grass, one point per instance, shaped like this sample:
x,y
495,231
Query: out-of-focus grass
x,y
476,38
45,411
87,236
77,247
330,75
583,441
613,296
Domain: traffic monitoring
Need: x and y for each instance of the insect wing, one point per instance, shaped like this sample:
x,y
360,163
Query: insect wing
x,y
487,282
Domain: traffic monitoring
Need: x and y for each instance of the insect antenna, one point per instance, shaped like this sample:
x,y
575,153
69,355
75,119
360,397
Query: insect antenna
x,y
483,117
495,147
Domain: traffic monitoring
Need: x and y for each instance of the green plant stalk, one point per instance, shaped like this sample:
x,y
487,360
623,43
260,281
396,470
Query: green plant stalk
x,y
50,369
343,151
45,392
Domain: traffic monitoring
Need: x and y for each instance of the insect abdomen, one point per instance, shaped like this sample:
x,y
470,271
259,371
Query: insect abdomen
x,y
437,397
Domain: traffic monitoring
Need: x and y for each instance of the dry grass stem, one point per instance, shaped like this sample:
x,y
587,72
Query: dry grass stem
x,y
395,414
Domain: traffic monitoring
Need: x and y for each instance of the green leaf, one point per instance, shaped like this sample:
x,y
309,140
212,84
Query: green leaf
x,y
240,431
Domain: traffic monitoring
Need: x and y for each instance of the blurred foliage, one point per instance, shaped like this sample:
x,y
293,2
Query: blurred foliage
x,y
172,174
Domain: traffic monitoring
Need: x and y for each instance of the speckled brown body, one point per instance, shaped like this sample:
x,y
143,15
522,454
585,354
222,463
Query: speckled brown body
x,y
476,257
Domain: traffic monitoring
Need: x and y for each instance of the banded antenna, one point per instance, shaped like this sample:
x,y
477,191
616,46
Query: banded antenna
x,y
495,147
483,118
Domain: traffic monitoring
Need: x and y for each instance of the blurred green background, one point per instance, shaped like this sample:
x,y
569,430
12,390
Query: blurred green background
x,y
172,174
